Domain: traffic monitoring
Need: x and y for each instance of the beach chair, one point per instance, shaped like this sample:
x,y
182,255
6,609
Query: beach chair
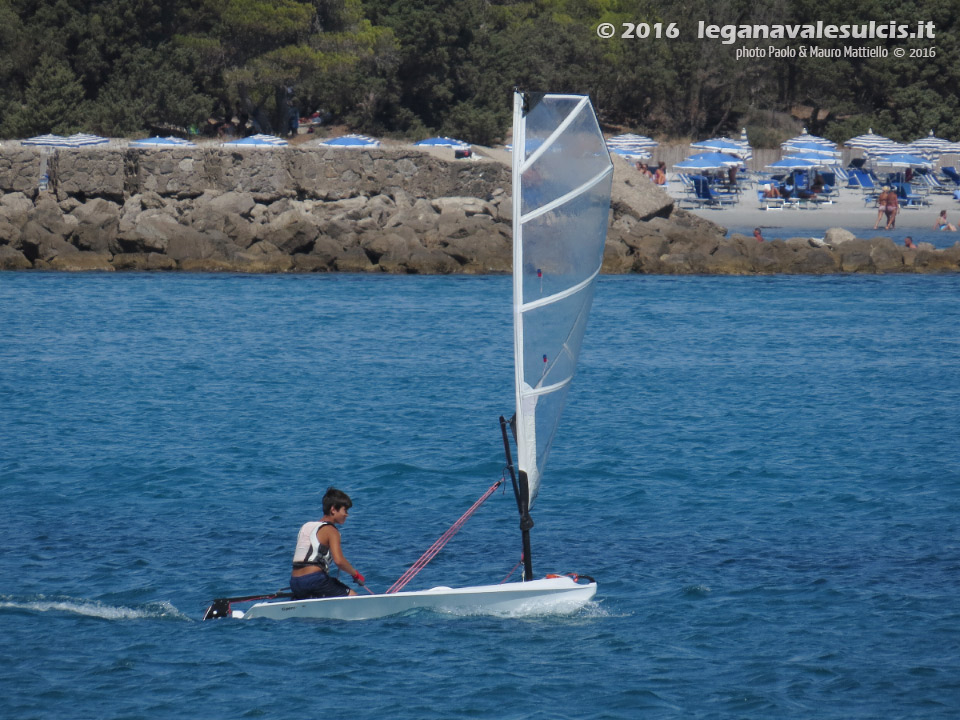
x,y
933,184
769,203
908,198
706,197
951,174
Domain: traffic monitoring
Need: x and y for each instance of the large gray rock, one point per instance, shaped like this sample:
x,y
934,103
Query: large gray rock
x,y
98,226
292,232
83,262
151,231
12,259
89,172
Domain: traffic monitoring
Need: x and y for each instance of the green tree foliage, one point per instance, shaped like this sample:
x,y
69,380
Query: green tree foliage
x,y
412,67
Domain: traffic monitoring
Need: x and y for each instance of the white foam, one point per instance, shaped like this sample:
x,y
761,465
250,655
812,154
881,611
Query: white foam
x,y
93,608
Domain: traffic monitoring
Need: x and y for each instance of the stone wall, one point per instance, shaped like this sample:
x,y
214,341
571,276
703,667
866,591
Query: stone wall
x,y
390,210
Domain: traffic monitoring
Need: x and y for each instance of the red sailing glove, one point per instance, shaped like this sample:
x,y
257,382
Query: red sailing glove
x,y
359,579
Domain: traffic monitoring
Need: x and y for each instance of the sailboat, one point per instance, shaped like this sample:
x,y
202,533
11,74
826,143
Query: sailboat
x,y
562,175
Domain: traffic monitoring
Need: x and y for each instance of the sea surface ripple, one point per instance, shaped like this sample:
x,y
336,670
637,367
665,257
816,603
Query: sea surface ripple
x,y
762,473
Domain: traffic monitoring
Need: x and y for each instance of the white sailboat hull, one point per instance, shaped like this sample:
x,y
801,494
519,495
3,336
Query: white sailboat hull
x,y
546,596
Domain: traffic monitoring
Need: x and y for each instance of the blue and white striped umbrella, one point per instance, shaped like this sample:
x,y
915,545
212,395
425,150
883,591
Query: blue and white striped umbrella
x,y
799,148
868,141
444,142
725,145
352,141
632,140
933,147
73,141
161,142
805,137
259,141
631,153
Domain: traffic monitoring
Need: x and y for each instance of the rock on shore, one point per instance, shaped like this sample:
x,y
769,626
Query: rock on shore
x,y
391,210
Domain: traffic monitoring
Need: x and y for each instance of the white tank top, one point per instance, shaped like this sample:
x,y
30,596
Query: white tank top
x,y
310,551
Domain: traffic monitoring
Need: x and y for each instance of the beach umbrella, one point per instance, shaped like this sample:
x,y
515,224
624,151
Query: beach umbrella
x,y
444,142
351,141
868,141
812,148
85,139
631,140
45,140
631,153
932,146
725,145
813,156
161,142
902,160
259,141
708,161
805,137
795,163
77,140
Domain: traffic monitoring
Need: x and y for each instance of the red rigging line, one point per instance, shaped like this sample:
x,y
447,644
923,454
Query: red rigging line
x,y
441,541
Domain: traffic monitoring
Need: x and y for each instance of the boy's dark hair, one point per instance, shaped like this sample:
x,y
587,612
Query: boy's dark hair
x,y
335,498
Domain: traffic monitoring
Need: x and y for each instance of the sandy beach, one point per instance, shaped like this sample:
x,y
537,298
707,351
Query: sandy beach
x,y
848,211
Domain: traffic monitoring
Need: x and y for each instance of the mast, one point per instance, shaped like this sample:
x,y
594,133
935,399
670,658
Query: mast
x,y
521,486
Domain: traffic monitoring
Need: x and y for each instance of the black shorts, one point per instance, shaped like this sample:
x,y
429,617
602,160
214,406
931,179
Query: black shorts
x,y
317,585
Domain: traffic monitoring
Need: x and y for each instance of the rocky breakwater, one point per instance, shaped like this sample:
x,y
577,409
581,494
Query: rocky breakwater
x,y
210,209
390,210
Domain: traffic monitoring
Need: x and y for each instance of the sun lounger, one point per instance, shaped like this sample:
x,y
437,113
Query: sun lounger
x,y
707,197
769,203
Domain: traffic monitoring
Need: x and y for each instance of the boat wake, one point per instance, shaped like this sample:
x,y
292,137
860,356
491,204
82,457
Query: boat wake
x,y
91,608
534,611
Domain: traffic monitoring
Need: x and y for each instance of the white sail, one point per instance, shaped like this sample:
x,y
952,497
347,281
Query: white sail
x,y
562,176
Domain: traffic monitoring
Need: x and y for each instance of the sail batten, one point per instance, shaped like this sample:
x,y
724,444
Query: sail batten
x,y
562,175
566,198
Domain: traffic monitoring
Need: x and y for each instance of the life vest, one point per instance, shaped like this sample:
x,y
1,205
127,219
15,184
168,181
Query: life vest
x,y
310,551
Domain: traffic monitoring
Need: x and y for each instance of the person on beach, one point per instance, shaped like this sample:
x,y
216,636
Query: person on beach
x,y
887,207
908,243
644,170
758,235
771,191
942,224
318,546
881,205
660,176
893,207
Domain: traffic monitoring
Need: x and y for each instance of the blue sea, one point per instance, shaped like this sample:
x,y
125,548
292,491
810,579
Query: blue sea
x,y
762,473
772,231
